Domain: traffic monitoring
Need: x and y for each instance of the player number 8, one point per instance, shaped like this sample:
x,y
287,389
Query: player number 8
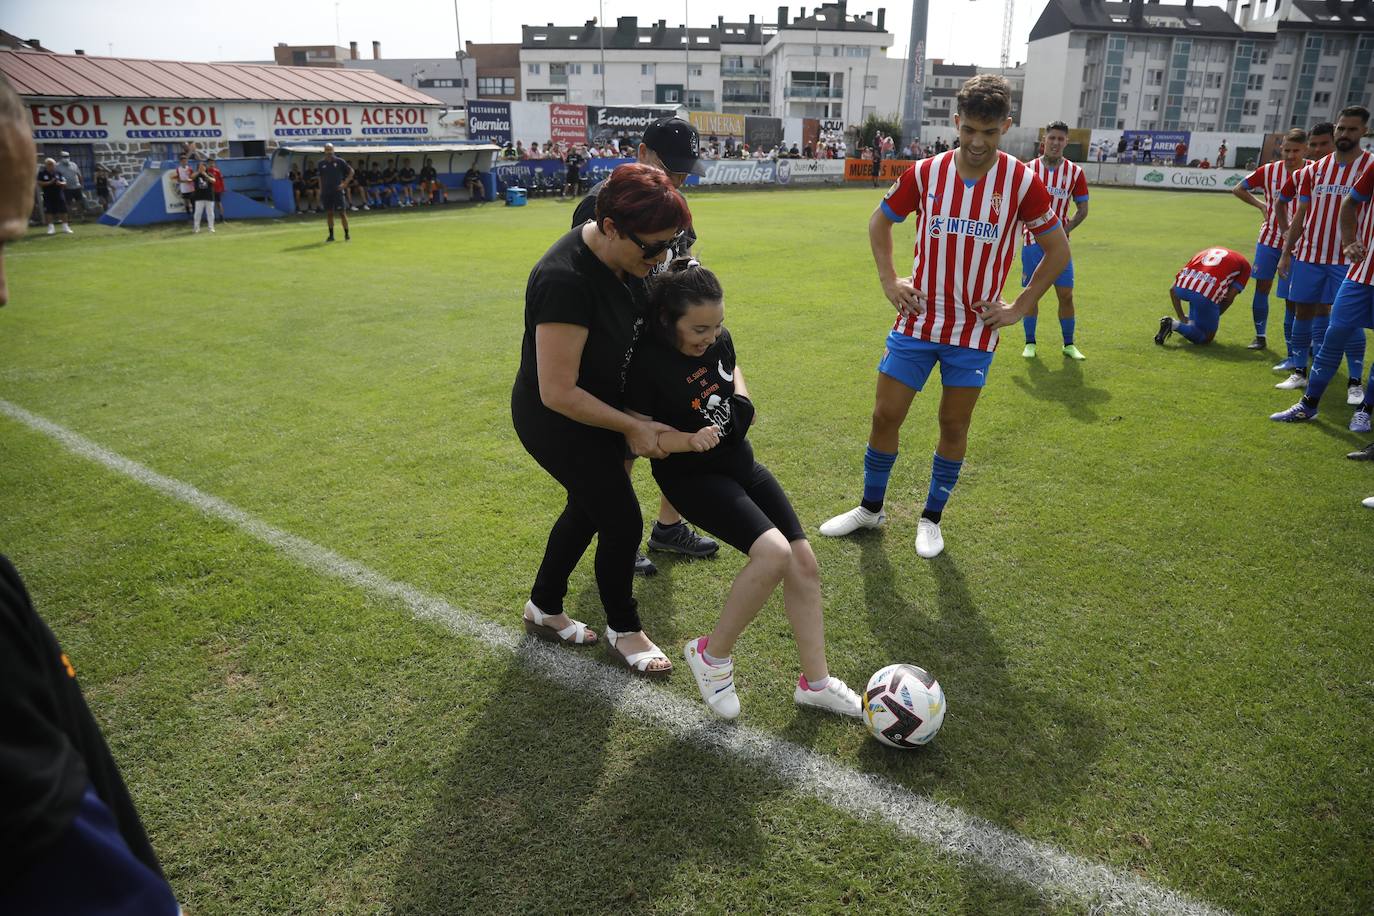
x,y
1214,257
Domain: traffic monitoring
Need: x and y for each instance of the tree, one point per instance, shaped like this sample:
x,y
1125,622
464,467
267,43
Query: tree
x,y
890,125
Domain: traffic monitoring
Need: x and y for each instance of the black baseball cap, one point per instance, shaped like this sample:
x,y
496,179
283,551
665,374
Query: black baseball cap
x,y
676,142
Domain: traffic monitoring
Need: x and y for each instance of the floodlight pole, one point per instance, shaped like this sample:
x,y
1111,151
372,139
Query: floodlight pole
x,y
686,53
601,40
462,70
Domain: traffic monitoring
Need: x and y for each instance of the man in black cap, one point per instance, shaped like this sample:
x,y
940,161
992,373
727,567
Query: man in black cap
x,y
673,145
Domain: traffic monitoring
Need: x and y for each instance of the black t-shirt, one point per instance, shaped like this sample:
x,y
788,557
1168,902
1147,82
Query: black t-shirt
x,y
51,191
690,393
374,175
428,173
360,174
586,209
388,175
312,177
472,175
574,164
333,172
204,184
406,174
570,285
295,176
50,744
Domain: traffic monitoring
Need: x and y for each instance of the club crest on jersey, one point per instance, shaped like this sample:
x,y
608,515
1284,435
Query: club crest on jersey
x,y
996,203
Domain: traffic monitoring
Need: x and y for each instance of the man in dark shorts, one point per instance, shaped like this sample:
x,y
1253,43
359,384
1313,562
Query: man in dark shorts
x,y
297,179
335,175
359,184
405,177
374,185
577,158
472,180
312,188
390,193
429,177
52,184
673,145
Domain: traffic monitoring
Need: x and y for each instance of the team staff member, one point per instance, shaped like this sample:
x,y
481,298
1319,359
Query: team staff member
x,y
70,838
584,310
297,179
1209,283
969,204
573,163
1269,180
684,374
670,145
429,177
1064,180
54,202
312,187
406,177
335,175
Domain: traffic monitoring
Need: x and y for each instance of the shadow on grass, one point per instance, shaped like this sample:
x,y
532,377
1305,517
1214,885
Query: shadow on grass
x,y
540,810
1065,387
309,246
1230,353
1019,747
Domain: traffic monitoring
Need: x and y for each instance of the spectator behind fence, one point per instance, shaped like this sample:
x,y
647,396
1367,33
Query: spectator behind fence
x,y
203,184
102,187
212,169
52,183
118,185
69,170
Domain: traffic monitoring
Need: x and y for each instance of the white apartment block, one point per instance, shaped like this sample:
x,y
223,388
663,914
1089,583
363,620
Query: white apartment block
x,y
828,64
1260,67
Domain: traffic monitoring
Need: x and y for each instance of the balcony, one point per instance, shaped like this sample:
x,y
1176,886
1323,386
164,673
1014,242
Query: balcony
x,y
745,72
745,98
558,79
814,92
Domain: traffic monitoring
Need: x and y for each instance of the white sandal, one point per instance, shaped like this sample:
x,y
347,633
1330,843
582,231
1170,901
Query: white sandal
x,y
638,662
574,634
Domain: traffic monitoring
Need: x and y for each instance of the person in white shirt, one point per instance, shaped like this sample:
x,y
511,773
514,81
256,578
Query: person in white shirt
x,y
72,192
185,178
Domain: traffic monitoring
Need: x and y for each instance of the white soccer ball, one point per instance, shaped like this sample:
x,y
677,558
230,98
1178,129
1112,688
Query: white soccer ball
x,y
904,706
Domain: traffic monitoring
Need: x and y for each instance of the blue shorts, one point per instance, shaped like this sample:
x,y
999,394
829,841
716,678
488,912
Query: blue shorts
x,y
1354,305
1031,256
1267,266
1315,283
910,361
1202,312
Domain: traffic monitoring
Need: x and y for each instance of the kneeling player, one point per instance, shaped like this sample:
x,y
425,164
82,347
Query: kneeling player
x,y
970,202
685,375
1063,179
1209,283
1353,310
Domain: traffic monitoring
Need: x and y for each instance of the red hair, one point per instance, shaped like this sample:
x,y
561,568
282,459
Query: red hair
x,y
641,198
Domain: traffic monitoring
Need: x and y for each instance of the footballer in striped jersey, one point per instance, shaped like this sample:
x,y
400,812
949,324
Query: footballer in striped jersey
x,y
1065,181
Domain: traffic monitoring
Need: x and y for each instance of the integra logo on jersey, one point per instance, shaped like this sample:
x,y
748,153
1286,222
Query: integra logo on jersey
x,y
976,229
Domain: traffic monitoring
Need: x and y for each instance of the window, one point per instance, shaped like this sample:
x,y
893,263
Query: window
x,y
870,82
646,70
1194,80
452,83
1250,108
1254,81
646,95
856,52
1158,48
1326,74
1288,43
574,69
1321,99
495,85
694,70
1190,105
1209,105
533,69
1125,76
1337,45
1276,96
1213,80
1154,77
1259,56
596,70
1152,103
1280,73
1125,99
1219,51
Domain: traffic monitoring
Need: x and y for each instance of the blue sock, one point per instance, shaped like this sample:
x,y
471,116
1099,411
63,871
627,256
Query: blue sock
x,y
1319,326
1259,310
1354,354
877,470
1029,323
1066,326
1288,318
1327,361
1302,342
944,474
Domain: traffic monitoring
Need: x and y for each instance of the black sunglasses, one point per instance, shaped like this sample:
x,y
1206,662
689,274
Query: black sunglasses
x,y
654,249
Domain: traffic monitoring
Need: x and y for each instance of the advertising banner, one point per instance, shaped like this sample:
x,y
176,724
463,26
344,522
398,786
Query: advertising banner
x,y
862,169
716,124
489,121
620,123
810,171
1186,179
739,171
762,133
1155,146
568,123
531,174
126,121
348,121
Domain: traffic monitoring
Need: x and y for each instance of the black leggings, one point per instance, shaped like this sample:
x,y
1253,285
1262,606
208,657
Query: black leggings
x,y
590,464
737,501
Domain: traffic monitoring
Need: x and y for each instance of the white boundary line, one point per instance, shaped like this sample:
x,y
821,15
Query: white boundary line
x,y
1048,870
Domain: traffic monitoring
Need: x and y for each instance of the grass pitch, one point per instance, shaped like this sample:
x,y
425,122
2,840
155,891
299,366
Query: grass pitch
x,y
1151,619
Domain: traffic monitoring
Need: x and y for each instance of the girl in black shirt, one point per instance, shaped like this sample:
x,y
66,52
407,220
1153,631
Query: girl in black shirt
x,y
584,309
685,375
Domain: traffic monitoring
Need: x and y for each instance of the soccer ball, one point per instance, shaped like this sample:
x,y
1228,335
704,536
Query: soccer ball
x,y
904,706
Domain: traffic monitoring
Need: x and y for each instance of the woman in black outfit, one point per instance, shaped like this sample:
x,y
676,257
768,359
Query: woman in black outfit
x,y
584,310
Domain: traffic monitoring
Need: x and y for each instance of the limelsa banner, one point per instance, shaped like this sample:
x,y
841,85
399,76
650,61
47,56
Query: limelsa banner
x,y
568,123
489,121
1188,179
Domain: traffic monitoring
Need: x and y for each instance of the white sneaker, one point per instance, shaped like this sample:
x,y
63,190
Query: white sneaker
x,y
929,541
67,229
716,682
1359,423
851,521
1295,380
52,230
835,696
1368,503
1354,395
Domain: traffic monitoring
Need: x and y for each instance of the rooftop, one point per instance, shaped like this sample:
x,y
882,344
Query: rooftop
x,y
1138,17
85,76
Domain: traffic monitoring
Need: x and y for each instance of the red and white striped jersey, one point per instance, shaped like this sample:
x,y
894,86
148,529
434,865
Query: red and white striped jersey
x,y
1363,191
1322,186
965,239
1065,182
1269,179
1212,271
